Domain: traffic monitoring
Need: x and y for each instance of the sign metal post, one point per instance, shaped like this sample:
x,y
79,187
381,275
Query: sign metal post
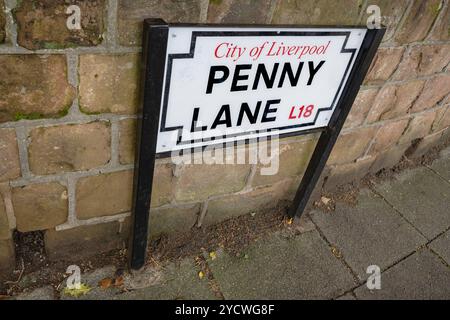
x,y
157,68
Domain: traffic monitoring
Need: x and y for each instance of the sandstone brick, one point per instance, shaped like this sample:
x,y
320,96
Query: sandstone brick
x,y
84,241
394,100
319,12
349,172
127,141
423,60
69,147
239,11
387,136
389,158
199,181
43,24
34,86
5,232
258,201
433,92
39,206
361,107
172,220
2,23
111,193
292,161
442,120
109,83
384,64
351,145
105,194
7,256
9,155
418,22
418,127
391,14
425,144
441,29
131,13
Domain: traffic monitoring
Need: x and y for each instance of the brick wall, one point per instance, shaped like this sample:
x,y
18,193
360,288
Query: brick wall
x,y
68,107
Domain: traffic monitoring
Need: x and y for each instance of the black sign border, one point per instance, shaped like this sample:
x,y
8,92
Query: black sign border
x,y
155,38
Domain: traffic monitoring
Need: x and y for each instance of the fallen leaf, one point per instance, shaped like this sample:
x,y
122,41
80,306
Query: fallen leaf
x,y
289,221
325,200
212,255
118,281
105,283
201,274
82,290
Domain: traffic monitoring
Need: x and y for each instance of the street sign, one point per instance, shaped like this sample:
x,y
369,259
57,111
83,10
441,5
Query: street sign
x,y
223,84
216,84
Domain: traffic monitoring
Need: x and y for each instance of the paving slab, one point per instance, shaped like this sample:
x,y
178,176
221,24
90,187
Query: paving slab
x,y
179,281
371,233
44,293
420,276
278,267
441,245
442,167
422,197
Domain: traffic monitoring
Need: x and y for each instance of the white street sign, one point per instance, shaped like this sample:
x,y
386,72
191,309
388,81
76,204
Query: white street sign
x,y
229,83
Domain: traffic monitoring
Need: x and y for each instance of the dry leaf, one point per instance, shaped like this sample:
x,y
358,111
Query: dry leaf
x,y
325,200
118,281
289,221
212,255
105,283
201,274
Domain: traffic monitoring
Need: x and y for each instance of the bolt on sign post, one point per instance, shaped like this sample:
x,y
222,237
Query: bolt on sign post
x,y
216,84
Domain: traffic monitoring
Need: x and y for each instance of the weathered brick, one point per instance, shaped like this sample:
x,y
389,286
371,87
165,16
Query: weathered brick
x,y
292,161
389,158
346,173
42,24
387,136
109,83
361,107
425,144
111,193
259,200
69,147
419,21
442,120
84,241
7,256
172,220
394,100
2,23
423,60
34,86
105,194
5,232
199,181
133,12
351,145
418,127
127,140
9,155
433,92
319,12
384,64
391,14
39,206
441,29
239,11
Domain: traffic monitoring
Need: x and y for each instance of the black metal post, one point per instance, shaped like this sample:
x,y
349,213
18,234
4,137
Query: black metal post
x,y
329,136
153,57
